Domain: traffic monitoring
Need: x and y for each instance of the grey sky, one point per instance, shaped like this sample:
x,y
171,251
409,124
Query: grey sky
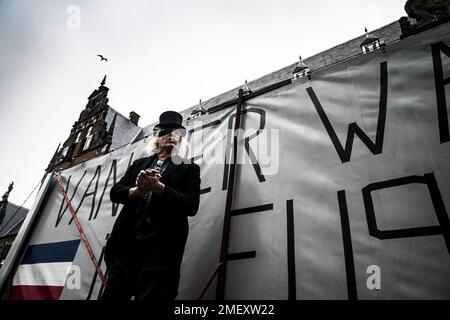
x,y
161,55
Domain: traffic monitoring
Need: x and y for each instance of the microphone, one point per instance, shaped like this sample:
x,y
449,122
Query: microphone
x,y
157,168
159,165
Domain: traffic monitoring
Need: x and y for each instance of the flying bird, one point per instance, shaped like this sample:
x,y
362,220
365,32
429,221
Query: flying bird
x,y
102,58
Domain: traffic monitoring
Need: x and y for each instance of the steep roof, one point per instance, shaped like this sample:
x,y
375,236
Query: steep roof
x,y
125,131
14,217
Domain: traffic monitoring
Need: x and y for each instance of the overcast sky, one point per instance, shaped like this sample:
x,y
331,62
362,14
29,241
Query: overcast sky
x,y
161,55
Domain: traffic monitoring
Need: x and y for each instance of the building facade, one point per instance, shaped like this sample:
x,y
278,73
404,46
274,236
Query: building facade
x,y
11,219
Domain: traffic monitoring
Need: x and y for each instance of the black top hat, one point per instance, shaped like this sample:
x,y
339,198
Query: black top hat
x,y
169,120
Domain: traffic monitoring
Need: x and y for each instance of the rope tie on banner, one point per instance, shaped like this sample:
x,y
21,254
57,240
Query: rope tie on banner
x,y
80,230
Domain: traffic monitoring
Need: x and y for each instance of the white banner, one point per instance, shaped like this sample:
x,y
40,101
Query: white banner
x,y
347,196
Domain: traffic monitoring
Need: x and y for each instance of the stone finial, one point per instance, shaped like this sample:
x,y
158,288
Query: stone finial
x,y
4,202
103,81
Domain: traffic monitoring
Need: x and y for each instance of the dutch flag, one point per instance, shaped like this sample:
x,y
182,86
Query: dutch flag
x,y
43,271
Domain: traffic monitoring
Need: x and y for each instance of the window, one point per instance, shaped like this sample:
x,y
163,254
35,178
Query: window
x,y
87,144
88,141
64,152
78,137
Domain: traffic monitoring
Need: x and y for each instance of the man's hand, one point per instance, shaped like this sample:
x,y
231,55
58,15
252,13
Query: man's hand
x,y
133,193
148,180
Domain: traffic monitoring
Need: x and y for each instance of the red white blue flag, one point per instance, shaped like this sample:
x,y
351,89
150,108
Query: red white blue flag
x,y
43,271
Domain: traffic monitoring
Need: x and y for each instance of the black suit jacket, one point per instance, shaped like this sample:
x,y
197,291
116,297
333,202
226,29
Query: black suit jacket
x,y
168,211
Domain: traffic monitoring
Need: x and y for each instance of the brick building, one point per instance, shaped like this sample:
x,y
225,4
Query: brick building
x,y
98,130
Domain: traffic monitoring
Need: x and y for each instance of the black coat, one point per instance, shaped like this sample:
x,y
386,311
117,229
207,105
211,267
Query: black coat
x,y
169,211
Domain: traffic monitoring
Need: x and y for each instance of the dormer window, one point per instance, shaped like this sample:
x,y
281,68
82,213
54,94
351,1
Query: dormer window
x,y
371,43
301,70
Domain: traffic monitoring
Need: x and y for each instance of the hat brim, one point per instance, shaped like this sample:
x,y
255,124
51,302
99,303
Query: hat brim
x,y
163,126
169,126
